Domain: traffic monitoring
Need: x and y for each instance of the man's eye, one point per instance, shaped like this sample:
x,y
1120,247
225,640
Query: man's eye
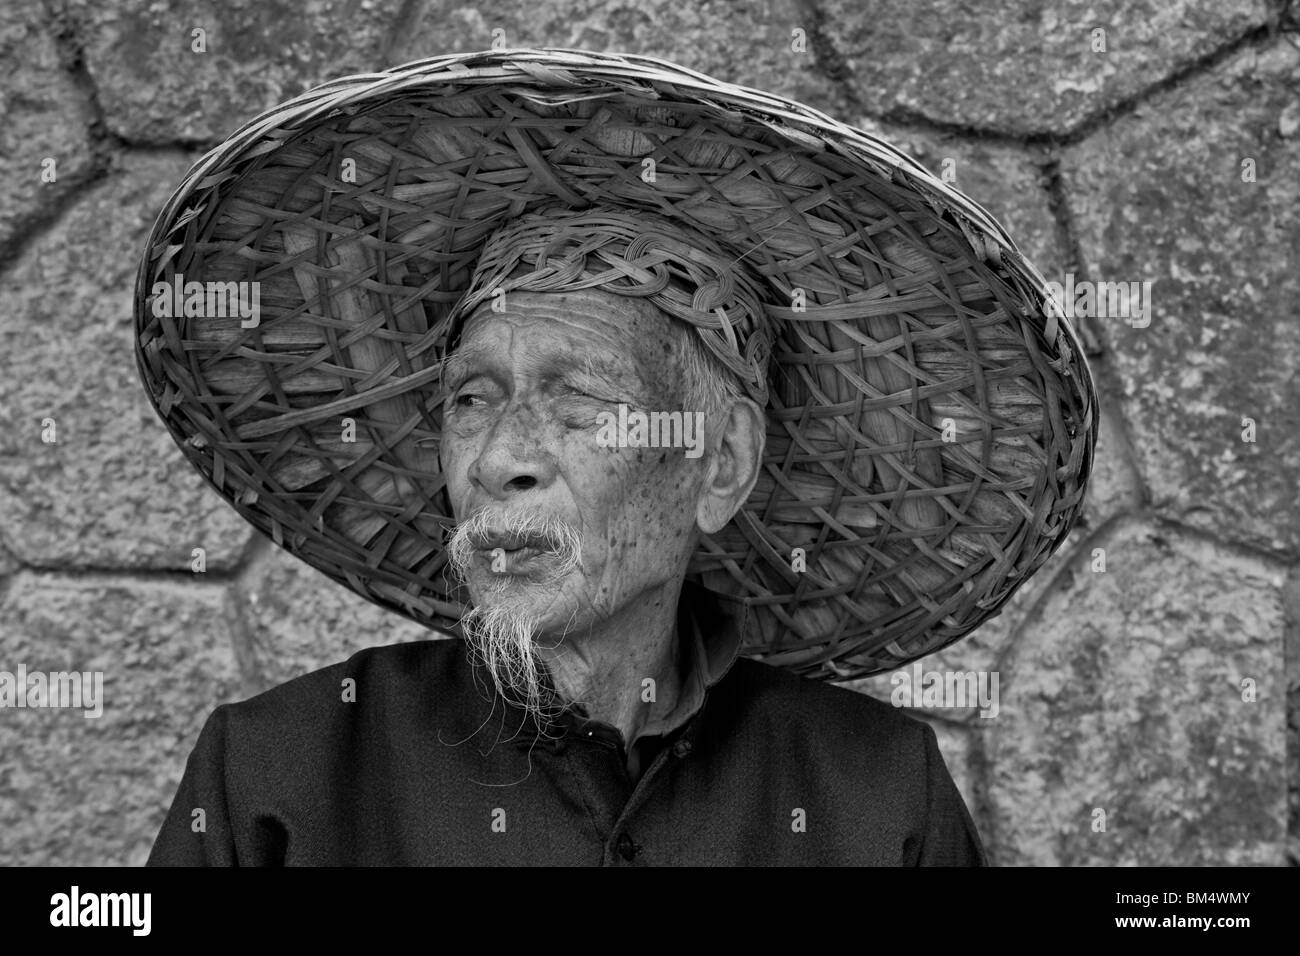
x,y
579,420
581,396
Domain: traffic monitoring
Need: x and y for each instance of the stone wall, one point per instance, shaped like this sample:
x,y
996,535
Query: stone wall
x,y
1144,713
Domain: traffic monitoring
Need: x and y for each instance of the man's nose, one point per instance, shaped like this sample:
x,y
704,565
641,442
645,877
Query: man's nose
x,y
516,455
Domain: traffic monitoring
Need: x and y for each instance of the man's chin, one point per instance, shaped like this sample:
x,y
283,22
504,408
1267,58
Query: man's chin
x,y
490,582
519,594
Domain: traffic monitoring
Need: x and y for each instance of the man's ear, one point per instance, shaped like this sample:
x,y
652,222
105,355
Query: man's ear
x,y
734,463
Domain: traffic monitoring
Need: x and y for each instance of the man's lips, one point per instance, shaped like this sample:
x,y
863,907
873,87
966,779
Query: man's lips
x,y
513,552
510,551
501,560
509,543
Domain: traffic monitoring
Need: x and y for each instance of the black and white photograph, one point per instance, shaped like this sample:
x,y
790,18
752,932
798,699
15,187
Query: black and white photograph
x,y
651,434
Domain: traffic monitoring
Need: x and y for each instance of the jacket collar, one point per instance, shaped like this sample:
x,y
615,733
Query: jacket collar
x,y
711,631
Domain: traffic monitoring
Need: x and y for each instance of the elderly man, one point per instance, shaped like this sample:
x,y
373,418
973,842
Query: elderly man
x,y
623,727
602,702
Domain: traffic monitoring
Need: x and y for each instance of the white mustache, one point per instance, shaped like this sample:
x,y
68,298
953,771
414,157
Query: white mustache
x,y
488,527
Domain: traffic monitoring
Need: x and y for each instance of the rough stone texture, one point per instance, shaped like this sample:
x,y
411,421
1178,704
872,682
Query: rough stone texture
x,y
1127,696
45,115
67,327
296,620
1223,343
1015,67
78,791
750,44
155,88
8,563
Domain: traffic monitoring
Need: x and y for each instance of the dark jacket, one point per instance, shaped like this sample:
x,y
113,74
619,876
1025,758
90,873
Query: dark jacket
x,y
426,767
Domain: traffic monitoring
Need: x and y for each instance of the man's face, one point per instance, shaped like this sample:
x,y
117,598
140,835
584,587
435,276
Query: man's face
x,y
520,434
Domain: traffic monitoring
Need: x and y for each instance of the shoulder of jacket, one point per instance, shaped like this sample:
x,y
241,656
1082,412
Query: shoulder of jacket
x,y
336,690
825,707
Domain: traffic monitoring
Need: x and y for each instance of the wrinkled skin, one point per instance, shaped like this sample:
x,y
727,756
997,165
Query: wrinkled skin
x,y
520,429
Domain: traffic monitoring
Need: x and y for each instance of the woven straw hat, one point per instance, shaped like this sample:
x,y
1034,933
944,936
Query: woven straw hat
x,y
931,421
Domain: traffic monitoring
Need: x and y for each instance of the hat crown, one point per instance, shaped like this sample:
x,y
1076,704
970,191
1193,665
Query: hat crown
x,y
632,252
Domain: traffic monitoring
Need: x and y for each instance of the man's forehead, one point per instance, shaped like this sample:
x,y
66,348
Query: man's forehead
x,y
599,332
597,360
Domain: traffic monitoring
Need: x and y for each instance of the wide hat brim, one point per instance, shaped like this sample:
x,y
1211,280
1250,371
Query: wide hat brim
x,y
931,421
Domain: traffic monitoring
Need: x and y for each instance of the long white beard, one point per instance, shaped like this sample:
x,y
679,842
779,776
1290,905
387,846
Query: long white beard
x,y
504,635
504,638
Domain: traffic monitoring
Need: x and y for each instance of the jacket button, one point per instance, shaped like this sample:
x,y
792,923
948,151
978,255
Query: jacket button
x,y
626,848
682,748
